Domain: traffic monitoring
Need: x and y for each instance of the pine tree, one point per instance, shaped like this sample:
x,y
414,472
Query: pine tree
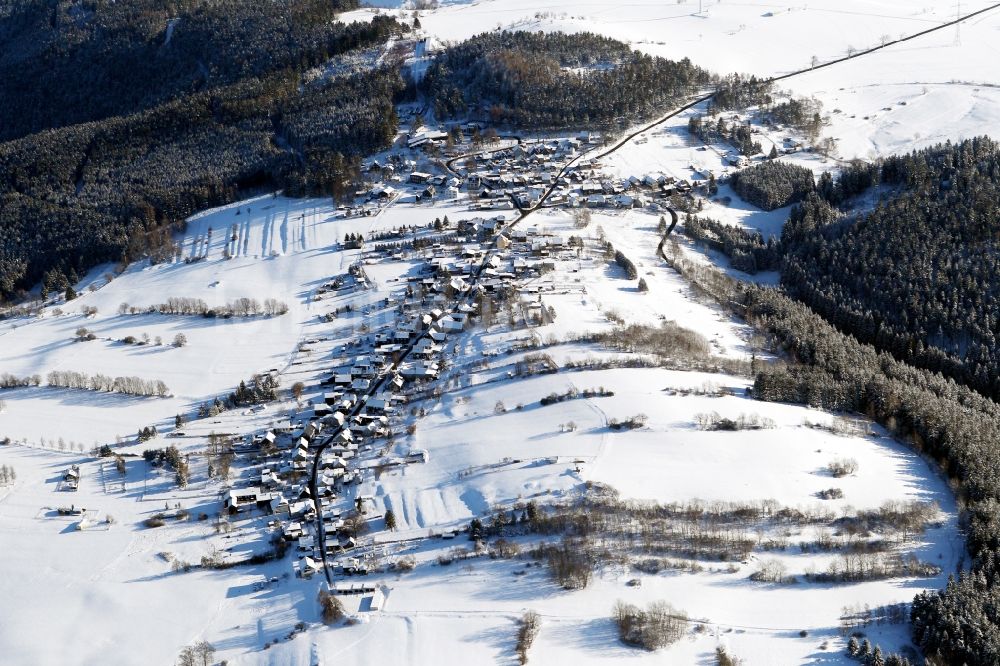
x,y
390,520
532,511
852,647
476,530
774,152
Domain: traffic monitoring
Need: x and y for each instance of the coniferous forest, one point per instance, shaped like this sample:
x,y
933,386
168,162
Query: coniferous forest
x,y
917,274
105,190
891,312
554,80
67,62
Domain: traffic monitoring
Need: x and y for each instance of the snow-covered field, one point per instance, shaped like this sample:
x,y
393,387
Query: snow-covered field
x,y
283,249
478,459
104,594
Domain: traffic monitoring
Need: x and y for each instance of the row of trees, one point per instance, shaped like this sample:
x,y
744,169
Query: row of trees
x,y
136,386
630,270
8,380
241,307
7,475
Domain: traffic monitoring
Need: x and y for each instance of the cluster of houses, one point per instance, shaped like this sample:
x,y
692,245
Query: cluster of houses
x,y
518,177
361,394
338,436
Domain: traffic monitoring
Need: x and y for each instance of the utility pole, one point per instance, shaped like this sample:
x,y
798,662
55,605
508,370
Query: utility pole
x,y
958,26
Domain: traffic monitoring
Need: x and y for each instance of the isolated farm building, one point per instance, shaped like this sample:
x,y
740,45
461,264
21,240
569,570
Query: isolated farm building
x,y
72,477
418,456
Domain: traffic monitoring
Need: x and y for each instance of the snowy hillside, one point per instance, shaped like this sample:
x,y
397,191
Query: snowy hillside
x,y
946,79
458,417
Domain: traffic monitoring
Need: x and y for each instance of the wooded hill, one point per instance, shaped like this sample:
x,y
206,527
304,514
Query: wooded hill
x,y
65,62
916,276
554,80
107,190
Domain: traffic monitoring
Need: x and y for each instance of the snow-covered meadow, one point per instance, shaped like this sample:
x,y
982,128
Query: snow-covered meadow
x,y
277,248
477,459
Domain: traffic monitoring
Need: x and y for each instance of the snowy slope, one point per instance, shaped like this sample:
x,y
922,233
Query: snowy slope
x,y
947,79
